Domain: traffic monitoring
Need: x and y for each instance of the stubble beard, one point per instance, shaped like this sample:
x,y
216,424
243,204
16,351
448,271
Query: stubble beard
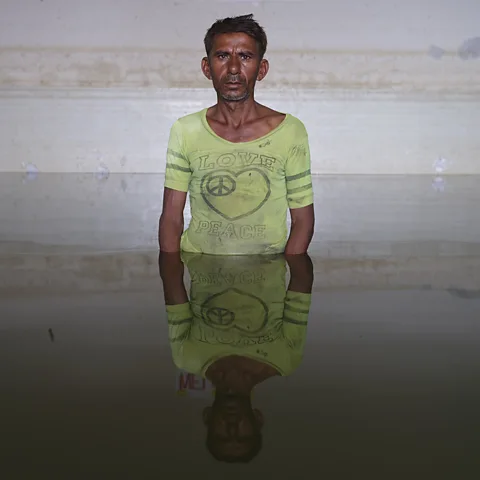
x,y
235,98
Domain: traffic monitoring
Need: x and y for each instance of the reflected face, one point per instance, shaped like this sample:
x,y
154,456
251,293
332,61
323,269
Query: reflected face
x,y
233,428
234,66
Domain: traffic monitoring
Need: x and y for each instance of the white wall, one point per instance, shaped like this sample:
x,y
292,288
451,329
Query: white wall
x,y
356,217
383,86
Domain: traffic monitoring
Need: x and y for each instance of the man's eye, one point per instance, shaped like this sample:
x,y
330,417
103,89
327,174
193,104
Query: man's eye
x,y
245,57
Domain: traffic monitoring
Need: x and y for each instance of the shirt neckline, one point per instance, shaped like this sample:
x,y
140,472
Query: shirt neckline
x,y
250,142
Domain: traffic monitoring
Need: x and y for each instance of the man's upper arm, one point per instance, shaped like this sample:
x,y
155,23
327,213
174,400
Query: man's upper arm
x,y
177,168
298,177
170,225
303,215
173,203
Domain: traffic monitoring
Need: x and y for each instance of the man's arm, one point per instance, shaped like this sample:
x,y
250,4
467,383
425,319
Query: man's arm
x,y
298,180
170,227
297,303
177,305
301,273
301,232
177,180
171,270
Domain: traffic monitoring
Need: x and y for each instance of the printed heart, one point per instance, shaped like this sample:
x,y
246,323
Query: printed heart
x,y
233,308
235,195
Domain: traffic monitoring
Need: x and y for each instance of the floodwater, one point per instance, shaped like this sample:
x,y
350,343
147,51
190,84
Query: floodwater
x,y
361,361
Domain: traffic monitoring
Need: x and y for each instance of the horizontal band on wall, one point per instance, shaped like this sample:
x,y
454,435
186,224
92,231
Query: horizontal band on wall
x,y
402,72
125,130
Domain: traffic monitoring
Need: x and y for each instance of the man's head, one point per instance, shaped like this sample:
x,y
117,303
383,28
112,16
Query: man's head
x,y
234,429
235,48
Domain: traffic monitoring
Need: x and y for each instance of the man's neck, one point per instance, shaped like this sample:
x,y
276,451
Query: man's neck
x,y
238,375
235,114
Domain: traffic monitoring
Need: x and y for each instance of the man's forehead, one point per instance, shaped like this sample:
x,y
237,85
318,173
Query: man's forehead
x,y
227,41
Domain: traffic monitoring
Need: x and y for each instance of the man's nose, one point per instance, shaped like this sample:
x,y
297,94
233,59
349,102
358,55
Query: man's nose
x,y
234,65
232,429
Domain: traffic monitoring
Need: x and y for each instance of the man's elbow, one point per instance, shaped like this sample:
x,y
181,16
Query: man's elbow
x,y
167,220
311,228
170,229
305,222
308,230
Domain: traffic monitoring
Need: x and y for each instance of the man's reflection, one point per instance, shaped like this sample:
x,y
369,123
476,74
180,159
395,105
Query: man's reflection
x,y
240,327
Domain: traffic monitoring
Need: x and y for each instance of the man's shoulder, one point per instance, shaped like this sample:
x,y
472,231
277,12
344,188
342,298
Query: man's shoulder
x,y
295,125
192,120
284,119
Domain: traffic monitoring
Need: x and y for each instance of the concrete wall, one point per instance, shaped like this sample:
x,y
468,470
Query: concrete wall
x,y
383,86
356,217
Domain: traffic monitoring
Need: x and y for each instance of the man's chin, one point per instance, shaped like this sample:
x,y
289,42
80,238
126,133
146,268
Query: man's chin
x,y
235,98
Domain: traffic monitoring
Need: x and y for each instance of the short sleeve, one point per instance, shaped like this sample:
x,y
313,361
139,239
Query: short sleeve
x,y
177,170
295,319
179,322
297,173
179,326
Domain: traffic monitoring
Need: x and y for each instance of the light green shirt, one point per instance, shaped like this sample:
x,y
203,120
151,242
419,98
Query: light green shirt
x,y
239,192
238,306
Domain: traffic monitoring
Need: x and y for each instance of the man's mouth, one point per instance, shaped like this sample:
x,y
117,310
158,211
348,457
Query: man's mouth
x,y
234,81
234,85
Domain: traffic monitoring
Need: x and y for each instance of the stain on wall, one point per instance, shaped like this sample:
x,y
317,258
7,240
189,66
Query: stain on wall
x,y
436,52
469,49
102,68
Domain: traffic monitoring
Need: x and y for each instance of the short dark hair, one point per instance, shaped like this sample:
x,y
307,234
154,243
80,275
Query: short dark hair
x,y
215,449
242,24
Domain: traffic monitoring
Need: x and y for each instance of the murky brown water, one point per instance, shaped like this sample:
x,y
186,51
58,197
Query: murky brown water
x,y
382,379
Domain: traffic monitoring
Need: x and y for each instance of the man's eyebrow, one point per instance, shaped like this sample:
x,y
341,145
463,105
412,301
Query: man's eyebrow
x,y
242,52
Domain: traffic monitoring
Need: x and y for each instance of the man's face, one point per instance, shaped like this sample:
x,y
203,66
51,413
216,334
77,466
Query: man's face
x,y
234,66
233,427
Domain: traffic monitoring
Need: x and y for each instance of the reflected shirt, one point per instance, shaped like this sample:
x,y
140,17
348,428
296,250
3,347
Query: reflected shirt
x,y
238,306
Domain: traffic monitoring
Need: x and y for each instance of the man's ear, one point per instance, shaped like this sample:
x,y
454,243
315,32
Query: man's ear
x,y
206,68
259,416
263,69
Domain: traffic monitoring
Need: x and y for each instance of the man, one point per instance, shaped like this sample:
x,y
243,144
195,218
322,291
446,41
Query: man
x,y
242,163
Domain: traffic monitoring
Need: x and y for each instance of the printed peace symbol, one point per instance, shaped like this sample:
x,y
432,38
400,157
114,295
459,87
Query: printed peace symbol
x,y
220,316
221,185
235,194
